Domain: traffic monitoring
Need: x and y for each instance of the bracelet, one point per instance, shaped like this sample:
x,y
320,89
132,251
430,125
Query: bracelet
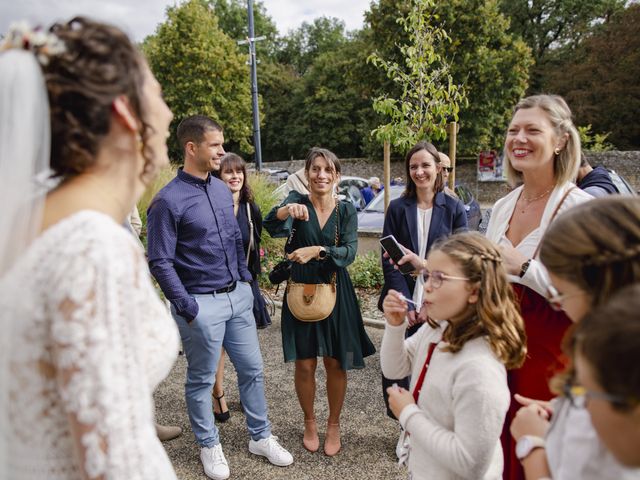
x,y
416,273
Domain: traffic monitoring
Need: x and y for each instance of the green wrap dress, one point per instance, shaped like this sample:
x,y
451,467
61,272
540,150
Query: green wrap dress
x,y
341,335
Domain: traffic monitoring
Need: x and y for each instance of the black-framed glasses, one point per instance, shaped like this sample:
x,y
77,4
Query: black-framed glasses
x,y
448,169
438,277
579,396
556,299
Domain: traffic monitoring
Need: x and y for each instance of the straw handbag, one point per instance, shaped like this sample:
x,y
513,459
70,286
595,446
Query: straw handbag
x,y
313,302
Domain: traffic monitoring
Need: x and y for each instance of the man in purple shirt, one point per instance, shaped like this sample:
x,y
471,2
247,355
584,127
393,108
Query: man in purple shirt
x,y
197,257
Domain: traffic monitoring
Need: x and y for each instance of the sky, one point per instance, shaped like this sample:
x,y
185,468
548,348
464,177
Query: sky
x,y
140,17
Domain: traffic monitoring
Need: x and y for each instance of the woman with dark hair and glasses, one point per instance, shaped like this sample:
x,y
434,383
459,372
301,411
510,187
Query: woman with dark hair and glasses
x,y
420,217
590,252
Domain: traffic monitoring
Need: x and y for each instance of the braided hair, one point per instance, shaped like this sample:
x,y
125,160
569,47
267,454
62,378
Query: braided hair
x,y
495,315
596,246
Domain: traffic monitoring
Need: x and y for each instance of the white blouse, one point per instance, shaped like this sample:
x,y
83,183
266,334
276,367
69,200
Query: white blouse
x,y
86,340
574,450
536,276
424,223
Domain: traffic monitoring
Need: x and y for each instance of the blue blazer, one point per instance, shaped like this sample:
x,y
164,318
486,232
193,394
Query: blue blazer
x,y
401,221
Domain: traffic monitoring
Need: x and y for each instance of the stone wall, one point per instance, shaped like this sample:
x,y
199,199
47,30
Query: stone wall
x,y
626,164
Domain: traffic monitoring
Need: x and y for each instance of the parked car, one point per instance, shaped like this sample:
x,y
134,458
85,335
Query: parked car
x,y
276,175
372,217
348,189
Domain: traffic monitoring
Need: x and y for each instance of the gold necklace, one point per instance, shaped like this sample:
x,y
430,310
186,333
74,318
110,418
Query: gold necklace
x,y
529,200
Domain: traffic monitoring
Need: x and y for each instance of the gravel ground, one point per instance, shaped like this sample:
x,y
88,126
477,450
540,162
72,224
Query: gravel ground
x,y
368,436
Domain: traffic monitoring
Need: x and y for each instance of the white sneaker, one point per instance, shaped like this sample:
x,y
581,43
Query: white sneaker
x,y
214,463
270,448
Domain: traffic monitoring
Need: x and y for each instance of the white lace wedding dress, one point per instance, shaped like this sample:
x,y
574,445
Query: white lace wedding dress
x,y
87,340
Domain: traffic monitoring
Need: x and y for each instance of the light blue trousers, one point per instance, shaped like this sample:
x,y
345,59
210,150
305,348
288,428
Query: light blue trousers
x,y
224,319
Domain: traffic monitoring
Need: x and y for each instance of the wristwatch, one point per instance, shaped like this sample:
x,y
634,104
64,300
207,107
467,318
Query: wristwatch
x,y
322,254
524,267
527,444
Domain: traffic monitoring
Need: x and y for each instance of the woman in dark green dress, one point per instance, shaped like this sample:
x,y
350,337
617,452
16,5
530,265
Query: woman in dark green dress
x,y
340,339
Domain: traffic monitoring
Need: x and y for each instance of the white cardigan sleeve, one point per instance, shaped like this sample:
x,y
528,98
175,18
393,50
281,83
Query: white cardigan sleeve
x,y
396,357
480,401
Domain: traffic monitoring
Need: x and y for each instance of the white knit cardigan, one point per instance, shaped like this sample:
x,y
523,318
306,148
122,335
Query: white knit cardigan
x,y
455,427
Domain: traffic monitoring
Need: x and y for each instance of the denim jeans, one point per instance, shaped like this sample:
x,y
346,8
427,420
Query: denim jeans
x,y
224,319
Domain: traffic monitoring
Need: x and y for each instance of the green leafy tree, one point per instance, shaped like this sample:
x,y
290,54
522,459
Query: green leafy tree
x,y
593,142
323,107
429,98
303,45
599,79
233,19
546,25
491,63
201,72
334,103
313,97
282,101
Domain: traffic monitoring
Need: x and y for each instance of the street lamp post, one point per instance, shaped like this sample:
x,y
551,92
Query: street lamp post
x,y
251,40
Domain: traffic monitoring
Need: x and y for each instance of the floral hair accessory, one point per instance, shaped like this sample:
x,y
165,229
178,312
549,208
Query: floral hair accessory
x,y
43,45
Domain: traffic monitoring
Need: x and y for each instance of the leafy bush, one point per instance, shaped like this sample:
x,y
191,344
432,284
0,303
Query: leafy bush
x,y
366,271
592,141
263,196
164,176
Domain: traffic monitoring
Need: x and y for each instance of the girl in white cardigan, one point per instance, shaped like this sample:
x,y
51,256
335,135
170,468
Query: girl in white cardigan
x,y
454,411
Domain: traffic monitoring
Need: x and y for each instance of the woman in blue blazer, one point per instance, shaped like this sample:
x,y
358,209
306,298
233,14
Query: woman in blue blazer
x,y
421,216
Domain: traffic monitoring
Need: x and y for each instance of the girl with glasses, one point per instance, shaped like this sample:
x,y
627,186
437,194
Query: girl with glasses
x,y
590,252
607,360
455,408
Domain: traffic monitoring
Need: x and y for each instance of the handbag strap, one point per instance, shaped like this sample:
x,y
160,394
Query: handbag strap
x,y
418,386
290,239
337,238
250,246
337,221
553,215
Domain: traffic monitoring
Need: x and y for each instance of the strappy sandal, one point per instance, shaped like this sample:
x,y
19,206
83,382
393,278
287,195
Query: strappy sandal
x,y
222,416
311,442
332,446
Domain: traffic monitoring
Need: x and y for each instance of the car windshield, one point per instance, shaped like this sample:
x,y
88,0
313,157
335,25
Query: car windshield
x,y
377,204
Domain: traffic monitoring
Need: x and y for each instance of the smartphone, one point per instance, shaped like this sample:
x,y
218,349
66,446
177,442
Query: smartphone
x,y
393,248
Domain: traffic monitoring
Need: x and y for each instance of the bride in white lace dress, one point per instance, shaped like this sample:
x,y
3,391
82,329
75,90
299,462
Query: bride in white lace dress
x,y
84,338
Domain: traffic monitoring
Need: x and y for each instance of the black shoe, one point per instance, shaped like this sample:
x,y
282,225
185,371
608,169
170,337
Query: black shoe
x,y
223,416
